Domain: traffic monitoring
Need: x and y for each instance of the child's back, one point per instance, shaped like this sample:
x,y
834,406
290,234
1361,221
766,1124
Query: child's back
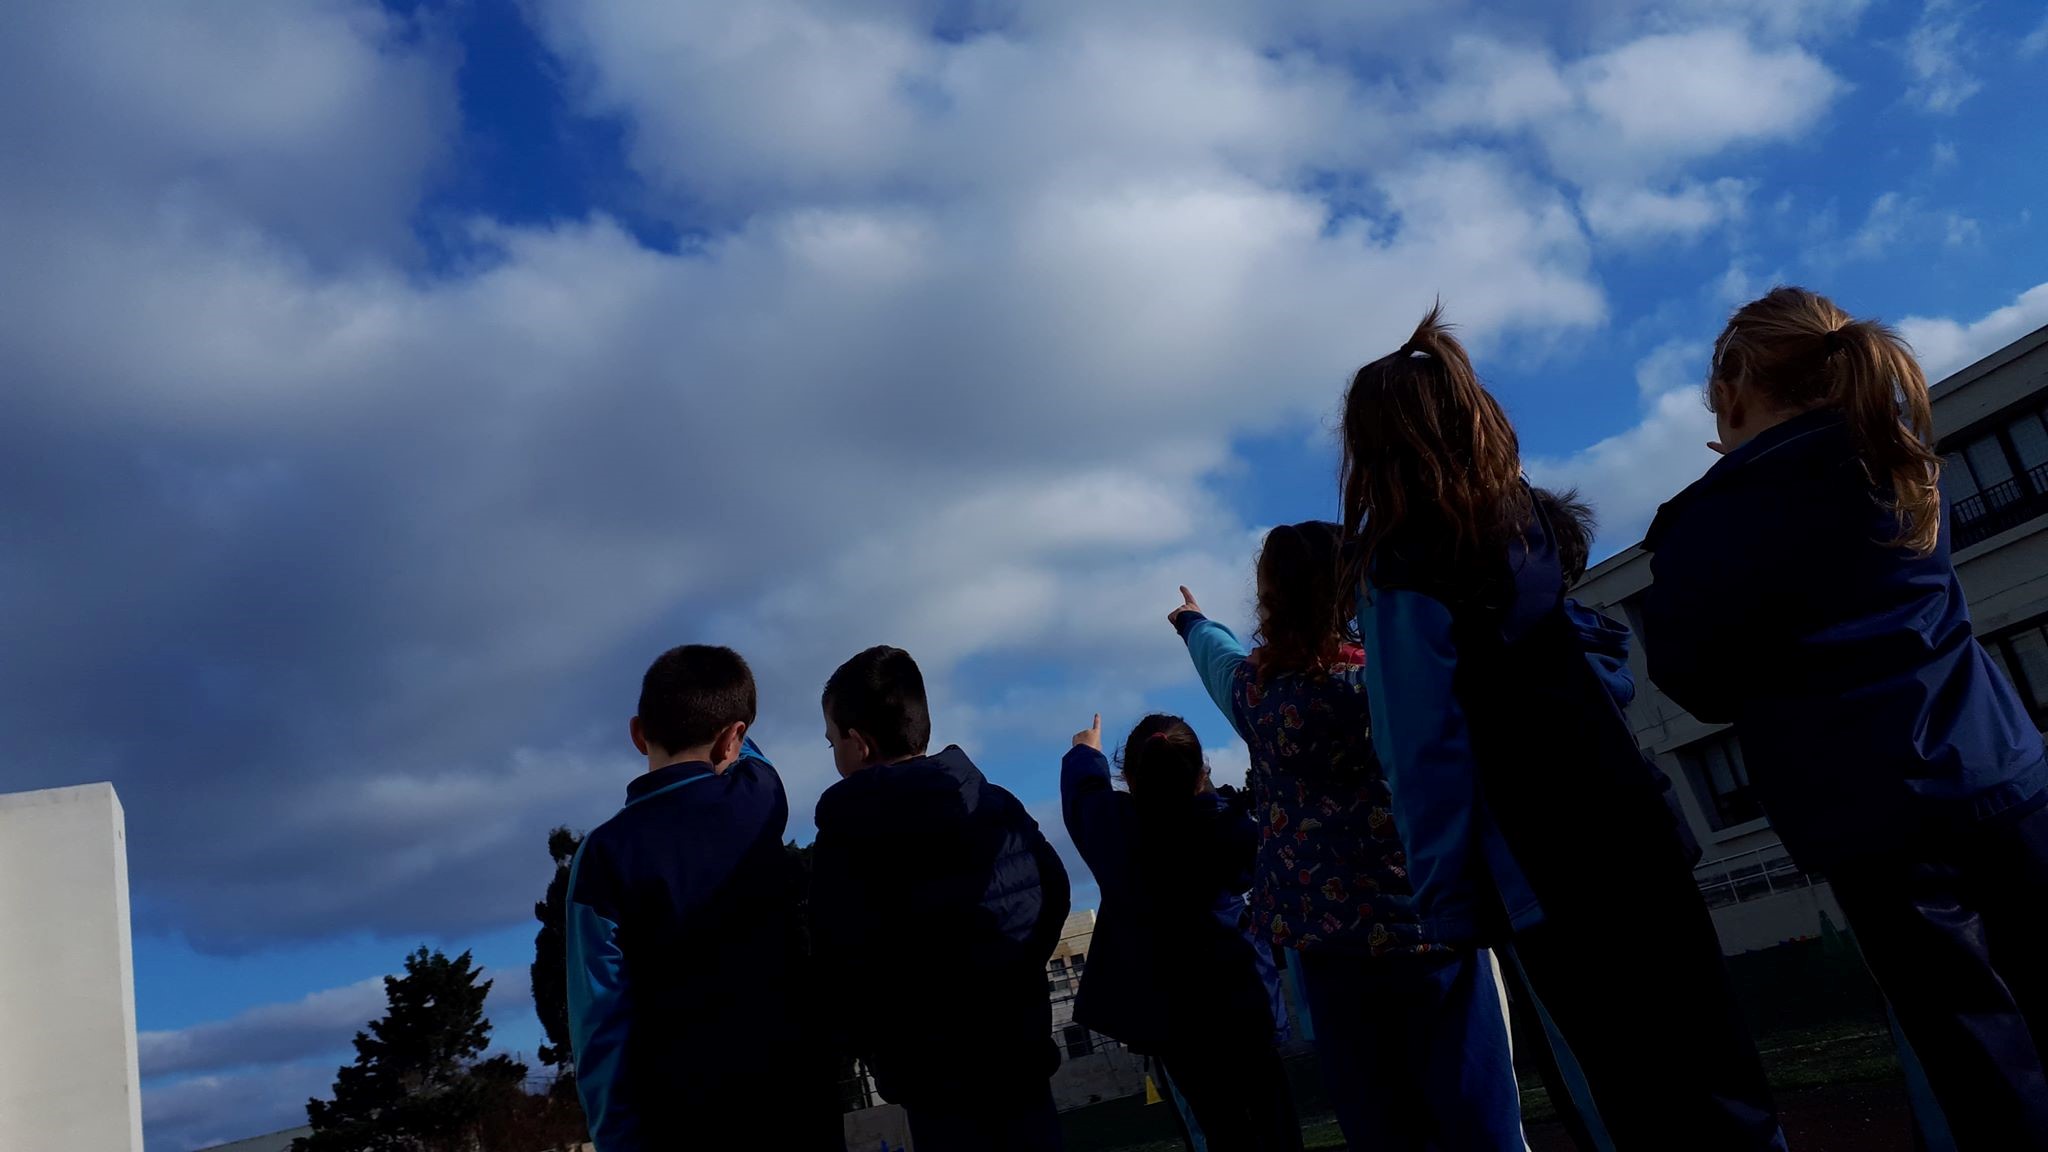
x,y
930,893
935,904
1865,706
689,993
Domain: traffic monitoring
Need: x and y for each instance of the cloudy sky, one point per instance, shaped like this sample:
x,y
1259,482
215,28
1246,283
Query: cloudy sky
x,y
385,384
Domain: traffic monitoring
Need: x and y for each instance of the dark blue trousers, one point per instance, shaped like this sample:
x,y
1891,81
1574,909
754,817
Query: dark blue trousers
x,y
1955,928
1414,1050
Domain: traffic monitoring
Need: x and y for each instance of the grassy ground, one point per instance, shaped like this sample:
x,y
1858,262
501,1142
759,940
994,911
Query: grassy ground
x,y
1828,1078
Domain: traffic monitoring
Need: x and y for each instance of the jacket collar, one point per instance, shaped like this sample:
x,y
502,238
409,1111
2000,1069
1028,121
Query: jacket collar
x,y
663,779
1780,441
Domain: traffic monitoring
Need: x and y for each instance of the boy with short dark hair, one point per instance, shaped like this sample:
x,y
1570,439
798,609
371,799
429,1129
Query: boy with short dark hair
x,y
689,997
935,904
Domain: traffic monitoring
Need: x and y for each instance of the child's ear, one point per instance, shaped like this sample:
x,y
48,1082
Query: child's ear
x,y
639,736
725,748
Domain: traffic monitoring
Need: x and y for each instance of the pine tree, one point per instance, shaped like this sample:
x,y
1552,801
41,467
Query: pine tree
x,y
550,953
416,1085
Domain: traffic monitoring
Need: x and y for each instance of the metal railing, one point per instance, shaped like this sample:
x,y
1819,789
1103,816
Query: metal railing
x,y
1750,875
2004,505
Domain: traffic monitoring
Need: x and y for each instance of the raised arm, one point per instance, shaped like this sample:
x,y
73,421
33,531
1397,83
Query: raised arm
x,y
1090,806
1420,733
1216,651
600,1003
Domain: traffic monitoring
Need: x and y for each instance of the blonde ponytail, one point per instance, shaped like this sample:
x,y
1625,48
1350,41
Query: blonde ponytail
x,y
1799,352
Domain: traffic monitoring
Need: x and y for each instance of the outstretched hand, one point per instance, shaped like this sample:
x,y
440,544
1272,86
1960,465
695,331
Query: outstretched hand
x,y
1187,604
1091,736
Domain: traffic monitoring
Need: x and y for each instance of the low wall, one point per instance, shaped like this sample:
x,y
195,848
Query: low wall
x,y
1098,1076
1766,922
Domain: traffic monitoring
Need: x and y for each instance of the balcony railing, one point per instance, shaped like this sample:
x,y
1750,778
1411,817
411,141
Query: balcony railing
x,y
1750,875
1999,507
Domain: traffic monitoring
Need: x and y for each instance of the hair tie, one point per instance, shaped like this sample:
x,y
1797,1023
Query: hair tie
x,y
1834,341
1410,349
1156,737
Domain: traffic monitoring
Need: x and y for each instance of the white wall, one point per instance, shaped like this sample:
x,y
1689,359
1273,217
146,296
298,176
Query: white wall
x,y
68,1078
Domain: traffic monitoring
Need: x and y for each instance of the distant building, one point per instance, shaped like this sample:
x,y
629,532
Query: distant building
x,y
1063,982
275,1142
1991,421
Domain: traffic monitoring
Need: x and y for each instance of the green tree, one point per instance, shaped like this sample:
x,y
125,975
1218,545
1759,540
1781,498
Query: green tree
x,y
550,953
416,1084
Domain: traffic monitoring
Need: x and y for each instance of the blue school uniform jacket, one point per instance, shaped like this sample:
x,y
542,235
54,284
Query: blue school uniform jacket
x,y
1866,709
935,904
1516,781
1171,963
688,991
1331,872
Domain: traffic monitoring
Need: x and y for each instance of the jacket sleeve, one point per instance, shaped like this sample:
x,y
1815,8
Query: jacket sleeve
x,y
1697,627
600,1002
1218,654
1056,893
1088,805
1420,732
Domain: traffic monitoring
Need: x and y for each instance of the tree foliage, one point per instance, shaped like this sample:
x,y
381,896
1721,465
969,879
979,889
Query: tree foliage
x,y
550,953
416,1084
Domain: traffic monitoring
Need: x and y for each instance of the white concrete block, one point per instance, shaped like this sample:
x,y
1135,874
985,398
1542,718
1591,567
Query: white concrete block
x,y
68,1075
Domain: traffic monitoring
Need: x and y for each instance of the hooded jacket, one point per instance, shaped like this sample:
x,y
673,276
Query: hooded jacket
x,y
1866,709
1171,964
935,904
1516,781
689,991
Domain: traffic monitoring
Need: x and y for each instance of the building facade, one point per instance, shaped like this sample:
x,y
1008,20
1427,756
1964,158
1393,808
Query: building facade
x,y
1991,422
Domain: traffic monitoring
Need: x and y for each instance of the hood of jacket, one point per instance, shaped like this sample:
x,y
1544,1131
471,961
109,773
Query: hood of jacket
x,y
921,793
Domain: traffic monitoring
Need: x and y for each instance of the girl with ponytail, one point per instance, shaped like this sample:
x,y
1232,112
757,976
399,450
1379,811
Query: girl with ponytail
x,y
1409,1029
1530,820
1803,592
1172,973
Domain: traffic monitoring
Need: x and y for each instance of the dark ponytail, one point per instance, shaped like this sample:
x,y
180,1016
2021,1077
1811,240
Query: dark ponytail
x,y
1799,352
1162,762
1301,612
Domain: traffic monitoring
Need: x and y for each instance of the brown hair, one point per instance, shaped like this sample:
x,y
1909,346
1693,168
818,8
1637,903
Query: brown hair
x,y
1797,351
1428,450
1300,606
1162,761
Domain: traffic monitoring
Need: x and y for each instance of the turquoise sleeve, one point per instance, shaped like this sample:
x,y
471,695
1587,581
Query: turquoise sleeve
x,y
1218,654
1420,732
599,1019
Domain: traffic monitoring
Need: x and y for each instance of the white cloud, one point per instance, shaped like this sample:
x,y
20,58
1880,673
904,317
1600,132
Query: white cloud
x,y
1938,59
1636,214
1626,476
2036,42
1944,345
317,1024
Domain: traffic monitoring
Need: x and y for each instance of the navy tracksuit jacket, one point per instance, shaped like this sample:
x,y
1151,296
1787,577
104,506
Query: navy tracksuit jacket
x,y
690,1002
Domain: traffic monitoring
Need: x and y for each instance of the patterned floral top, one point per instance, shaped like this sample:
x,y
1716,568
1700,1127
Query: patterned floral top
x,y
1330,873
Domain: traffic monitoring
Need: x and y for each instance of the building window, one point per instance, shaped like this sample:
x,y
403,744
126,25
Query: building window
x,y
1058,971
1079,1041
1997,480
2022,654
1715,767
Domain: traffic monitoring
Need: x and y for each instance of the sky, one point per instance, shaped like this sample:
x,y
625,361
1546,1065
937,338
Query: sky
x,y
386,384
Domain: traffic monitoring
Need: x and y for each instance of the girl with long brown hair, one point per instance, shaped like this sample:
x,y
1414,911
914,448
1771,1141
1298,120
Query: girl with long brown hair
x,y
1804,593
1529,817
1409,1031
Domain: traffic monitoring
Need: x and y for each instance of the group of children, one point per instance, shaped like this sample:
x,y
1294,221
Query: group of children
x,y
1444,800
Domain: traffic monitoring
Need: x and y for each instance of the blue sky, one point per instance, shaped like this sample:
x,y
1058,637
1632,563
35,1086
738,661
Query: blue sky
x,y
387,384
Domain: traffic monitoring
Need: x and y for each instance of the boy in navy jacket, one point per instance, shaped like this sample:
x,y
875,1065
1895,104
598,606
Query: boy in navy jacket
x,y
935,904
689,1003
